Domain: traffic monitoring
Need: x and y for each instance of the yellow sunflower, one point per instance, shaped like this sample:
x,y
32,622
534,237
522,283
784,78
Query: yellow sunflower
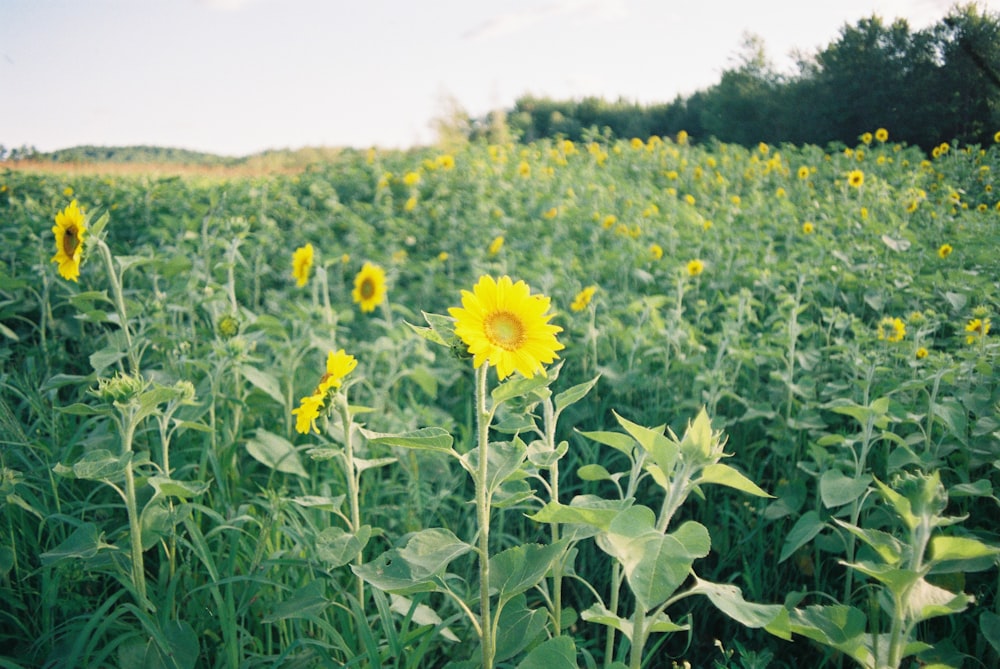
x,y
503,324
302,261
856,178
891,329
977,329
882,135
69,230
338,365
369,287
583,298
695,267
944,251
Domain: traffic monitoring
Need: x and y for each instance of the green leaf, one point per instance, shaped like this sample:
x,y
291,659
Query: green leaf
x,y
897,580
925,601
104,358
888,547
264,382
421,614
391,573
83,543
586,510
276,452
727,476
729,599
517,569
989,625
518,627
805,528
505,459
518,386
168,487
838,626
663,450
309,601
837,489
960,548
602,616
574,394
426,438
594,473
430,551
97,465
336,547
555,653
616,440
330,504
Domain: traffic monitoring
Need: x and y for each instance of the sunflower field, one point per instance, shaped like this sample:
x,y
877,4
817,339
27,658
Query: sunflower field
x,y
647,403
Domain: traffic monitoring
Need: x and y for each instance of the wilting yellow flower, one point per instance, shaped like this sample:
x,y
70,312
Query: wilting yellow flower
x,y
583,298
921,353
856,178
504,325
369,287
69,231
944,251
302,262
977,329
695,267
808,228
882,135
656,251
496,245
891,329
338,365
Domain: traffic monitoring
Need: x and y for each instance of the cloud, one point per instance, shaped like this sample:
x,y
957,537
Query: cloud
x,y
513,22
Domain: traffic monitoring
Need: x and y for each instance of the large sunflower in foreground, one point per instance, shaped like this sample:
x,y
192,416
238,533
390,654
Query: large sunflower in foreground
x,y
369,287
503,324
69,230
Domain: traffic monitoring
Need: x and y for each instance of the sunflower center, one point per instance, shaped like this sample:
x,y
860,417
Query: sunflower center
x,y
505,330
70,241
367,289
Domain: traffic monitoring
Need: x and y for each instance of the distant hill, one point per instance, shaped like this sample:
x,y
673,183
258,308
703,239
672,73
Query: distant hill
x,y
135,154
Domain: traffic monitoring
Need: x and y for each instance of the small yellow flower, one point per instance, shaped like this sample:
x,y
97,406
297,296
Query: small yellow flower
x,y
637,143
882,135
68,191
445,162
524,169
763,148
996,137
977,329
302,262
369,287
583,298
695,267
551,213
496,245
504,325
656,251
443,256
609,221
411,178
944,251
866,138
921,353
338,365
69,231
682,137
808,228
779,193
803,172
689,199
411,203
891,329
856,178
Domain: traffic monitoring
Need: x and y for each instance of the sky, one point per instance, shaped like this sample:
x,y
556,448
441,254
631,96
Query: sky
x,y
236,77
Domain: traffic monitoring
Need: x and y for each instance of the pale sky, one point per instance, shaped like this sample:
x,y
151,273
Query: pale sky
x,y
235,77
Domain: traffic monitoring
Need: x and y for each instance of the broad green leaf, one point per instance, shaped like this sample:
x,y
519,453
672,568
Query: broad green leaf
x,y
555,653
307,602
264,382
616,440
989,625
80,409
319,502
838,626
517,569
97,465
888,547
574,394
594,473
837,489
276,452
171,488
960,548
426,438
725,475
430,551
897,580
172,646
518,627
504,462
362,464
729,599
518,386
83,543
925,601
391,573
421,614
336,547
805,528
593,511
663,450
104,358
901,504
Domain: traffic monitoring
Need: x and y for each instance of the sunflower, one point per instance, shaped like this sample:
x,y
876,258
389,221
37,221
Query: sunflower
x,y
882,135
695,267
503,324
856,178
808,228
583,298
338,365
977,329
944,251
891,329
495,245
369,287
69,230
302,261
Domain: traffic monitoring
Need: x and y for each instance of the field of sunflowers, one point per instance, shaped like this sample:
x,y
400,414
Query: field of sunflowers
x,y
646,403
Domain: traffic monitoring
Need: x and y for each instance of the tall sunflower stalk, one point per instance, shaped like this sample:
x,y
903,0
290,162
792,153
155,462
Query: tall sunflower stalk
x,y
506,327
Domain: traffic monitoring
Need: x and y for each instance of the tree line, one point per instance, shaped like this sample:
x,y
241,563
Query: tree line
x,y
929,86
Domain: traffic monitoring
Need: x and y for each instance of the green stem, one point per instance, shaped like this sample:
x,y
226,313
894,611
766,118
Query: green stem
x,y
132,508
483,517
119,301
353,483
638,636
550,441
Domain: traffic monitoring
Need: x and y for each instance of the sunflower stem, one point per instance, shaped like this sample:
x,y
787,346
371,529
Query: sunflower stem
x,y
119,301
353,483
483,418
